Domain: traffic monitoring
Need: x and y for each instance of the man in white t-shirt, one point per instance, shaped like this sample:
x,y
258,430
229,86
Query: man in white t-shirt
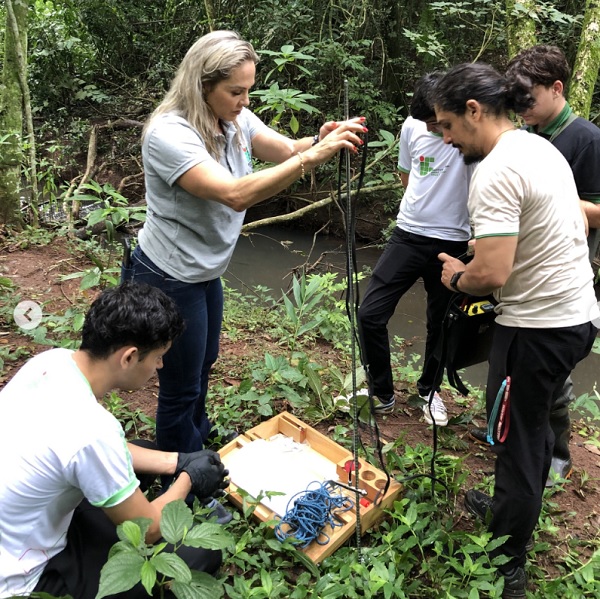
x,y
68,476
531,253
433,218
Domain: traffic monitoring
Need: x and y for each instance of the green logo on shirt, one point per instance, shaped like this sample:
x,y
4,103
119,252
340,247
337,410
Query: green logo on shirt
x,y
426,162
248,155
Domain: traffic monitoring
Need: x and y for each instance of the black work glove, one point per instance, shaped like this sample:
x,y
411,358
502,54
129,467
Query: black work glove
x,y
183,459
208,475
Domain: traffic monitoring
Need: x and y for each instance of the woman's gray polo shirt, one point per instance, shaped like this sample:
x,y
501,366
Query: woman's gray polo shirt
x,y
189,237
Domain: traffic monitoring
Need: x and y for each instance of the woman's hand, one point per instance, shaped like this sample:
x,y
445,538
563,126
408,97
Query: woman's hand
x,y
333,137
330,126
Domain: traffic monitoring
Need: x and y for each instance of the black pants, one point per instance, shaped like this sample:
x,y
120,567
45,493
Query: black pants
x,y
560,420
76,570
406,258
538,362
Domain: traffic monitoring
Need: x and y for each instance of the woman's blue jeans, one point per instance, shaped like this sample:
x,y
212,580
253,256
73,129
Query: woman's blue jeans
x,y
181,420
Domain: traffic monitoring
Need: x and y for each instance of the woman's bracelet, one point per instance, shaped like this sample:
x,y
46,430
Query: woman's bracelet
x,y
303,172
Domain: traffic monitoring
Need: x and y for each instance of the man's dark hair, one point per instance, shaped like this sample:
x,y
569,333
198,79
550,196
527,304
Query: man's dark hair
x,y
542,65
134,314
472,81
421,107
538,65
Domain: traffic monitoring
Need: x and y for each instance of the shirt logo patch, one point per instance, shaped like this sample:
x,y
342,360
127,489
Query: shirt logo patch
x,y
425,164
247,155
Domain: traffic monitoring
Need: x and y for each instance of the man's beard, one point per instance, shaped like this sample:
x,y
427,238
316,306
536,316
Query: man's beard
x,y
472,158
468,158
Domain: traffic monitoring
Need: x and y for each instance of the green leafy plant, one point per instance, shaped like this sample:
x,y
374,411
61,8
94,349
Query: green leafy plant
x,y
106,270
135,423
287,56
132,560
281,101
588,406
115,210
282,380
315,308
96,276
10,354
60,330
284,100
300,309
9,298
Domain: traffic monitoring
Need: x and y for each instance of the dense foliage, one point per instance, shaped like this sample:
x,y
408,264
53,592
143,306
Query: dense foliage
x,y
95,61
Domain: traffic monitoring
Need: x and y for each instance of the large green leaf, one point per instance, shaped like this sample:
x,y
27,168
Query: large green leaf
x,y
96,216
130,532
208,535
121,546
119,574
91,279
148,576
171,565
203,586
176,520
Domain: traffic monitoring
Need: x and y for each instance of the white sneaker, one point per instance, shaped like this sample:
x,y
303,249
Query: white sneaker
x,y
438,410
344,403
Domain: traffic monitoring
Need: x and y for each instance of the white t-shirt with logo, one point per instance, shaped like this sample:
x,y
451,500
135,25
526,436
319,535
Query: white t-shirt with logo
x,y
525,187
58,445
435,201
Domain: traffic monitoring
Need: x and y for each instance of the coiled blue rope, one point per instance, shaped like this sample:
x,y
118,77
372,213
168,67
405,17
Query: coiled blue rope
x,y
310,511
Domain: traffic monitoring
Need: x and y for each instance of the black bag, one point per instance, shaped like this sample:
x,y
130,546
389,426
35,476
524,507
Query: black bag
x,y
467,335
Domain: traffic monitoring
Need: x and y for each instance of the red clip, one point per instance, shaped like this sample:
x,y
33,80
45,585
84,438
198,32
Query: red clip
x,y
349,468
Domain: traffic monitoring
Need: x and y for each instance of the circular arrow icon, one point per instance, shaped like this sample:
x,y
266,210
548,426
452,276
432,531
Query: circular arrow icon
x,y
27,315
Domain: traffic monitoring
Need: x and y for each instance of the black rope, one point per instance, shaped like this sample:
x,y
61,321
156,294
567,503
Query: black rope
x,y
352,304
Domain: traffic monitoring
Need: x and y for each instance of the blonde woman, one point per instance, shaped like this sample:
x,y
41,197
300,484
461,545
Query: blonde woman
x,y
197,150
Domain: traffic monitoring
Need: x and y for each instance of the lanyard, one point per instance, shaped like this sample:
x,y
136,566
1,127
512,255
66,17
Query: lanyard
x,y
500,412
562,127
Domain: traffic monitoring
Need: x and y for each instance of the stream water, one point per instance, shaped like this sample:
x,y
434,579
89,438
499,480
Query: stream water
x,y
268,257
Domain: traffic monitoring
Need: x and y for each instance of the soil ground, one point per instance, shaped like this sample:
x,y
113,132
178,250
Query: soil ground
x,y
36,272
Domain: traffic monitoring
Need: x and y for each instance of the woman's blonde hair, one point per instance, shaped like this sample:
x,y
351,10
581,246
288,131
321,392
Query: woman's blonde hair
x,y
209,61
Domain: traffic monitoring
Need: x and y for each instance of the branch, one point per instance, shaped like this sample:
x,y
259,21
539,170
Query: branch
x,y
314,206
121,124
91,158
128,180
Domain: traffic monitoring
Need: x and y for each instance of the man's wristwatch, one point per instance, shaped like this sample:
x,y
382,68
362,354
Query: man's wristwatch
x,y
454,280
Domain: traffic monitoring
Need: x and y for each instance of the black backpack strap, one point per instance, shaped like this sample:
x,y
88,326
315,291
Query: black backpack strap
x,y
442,355
455,381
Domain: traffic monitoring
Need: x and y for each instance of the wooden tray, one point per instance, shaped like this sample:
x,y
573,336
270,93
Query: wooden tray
x,y
371,479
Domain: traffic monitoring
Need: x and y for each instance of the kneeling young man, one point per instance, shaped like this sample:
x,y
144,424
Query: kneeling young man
x,y
68,475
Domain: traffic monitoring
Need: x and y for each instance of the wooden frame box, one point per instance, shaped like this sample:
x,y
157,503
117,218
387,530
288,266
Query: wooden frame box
x,y
371,479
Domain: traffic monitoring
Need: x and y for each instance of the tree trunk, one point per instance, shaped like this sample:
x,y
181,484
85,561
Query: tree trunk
x,y
21,54
11,116
587,62
521,26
